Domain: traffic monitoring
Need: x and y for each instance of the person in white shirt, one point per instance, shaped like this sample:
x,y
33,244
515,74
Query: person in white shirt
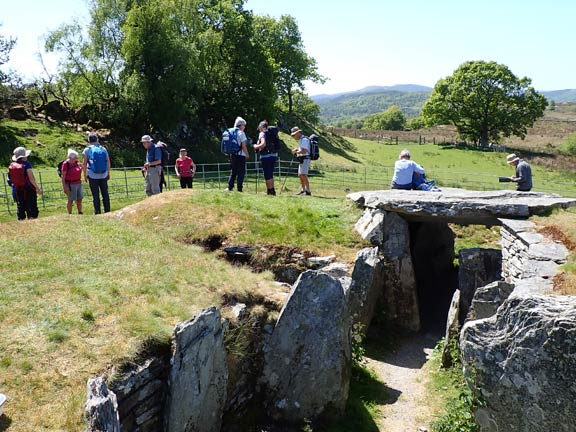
x,y
238,161
404,170
302,153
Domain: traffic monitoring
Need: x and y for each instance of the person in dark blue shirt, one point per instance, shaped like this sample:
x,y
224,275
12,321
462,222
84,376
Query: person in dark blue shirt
x,y
153,165
523,177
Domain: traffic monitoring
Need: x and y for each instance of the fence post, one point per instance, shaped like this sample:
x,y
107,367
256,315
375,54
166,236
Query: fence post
x,y
396,139
43,192
218,165
126,182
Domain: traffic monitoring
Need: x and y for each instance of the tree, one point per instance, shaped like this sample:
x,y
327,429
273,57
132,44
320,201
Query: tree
x,y
282,41
6,45
302,106
391,119
485,101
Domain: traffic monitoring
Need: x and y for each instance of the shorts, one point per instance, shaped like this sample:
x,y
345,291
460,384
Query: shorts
x,y
304,167
76,192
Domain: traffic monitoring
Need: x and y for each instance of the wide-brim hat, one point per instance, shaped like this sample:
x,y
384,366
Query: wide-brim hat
x,y
295,130
20,152
146,138
511,158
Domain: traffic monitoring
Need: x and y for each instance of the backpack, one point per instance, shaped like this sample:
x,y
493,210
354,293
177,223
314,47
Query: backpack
x,y
98,159
165,153
17,175
229,144
59,168
314,147
272,140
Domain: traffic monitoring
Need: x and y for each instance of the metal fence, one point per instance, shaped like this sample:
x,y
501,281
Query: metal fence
x,y
332,180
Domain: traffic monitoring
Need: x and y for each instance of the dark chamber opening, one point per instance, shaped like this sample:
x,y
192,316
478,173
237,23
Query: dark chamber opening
x,y
432,246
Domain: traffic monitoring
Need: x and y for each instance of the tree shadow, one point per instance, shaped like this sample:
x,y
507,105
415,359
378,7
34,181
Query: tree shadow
x,y
8,142
5,422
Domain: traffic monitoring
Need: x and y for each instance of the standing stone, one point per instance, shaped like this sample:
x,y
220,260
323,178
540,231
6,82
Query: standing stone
x,y
370,225
400,297
478,267
452,329
101,407
367,286
522,363
488,299
198,377
307,358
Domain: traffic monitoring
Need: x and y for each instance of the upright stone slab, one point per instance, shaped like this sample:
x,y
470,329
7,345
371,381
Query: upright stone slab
x,y
488,299
400,297
452,329
522,363
370,225
367,286
198,376
307,358
101,407
478,268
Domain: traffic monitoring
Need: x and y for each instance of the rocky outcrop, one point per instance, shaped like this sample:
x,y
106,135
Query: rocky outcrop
x,y
488,299
529,260
18,112
400,296
521,362
307,357
461,206
477,267
141,394
198,375
367,286
101,407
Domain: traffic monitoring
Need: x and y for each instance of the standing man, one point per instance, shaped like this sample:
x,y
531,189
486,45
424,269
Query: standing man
x,y
24,186
238,160
523,178
96,169
302,153
153,165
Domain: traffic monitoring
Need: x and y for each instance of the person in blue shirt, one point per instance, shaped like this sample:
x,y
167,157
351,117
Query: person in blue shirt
x,y
404,170
153,165
97,177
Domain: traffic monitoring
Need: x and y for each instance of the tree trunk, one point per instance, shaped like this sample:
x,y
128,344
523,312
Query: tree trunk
x,y
290,101
484,138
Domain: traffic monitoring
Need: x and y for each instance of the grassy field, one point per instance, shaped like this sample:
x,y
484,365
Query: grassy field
x,y
78,294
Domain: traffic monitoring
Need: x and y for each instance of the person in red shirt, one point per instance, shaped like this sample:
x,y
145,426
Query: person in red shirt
x,y
72,181
185,169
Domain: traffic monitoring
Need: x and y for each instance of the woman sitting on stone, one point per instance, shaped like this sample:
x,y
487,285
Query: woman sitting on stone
x,y
404,170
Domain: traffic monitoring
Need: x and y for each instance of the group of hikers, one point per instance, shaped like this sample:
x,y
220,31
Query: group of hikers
x,y
408,175
95,170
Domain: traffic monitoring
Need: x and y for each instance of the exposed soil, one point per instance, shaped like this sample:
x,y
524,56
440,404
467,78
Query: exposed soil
x,y
402,370
556,234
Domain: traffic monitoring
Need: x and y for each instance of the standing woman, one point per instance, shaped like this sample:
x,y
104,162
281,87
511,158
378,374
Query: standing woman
x,y
22,179
72,181
185,169
267,158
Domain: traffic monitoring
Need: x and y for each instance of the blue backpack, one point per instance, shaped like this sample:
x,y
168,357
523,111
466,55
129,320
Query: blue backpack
x,y
229,144
98,159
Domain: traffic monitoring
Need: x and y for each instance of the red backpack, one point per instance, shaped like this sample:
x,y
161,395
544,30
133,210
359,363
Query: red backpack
x,y
17,174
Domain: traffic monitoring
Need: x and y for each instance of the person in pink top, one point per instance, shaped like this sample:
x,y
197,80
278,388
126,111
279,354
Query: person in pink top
x,y
72,181
185,169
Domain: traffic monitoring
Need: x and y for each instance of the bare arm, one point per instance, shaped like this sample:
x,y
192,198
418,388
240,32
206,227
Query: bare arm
x,y
193,168
244,149
85,168
32,180
261,144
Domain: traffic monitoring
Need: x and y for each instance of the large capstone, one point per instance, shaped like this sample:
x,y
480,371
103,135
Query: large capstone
x,y
307,358
522,363
367,286
198,375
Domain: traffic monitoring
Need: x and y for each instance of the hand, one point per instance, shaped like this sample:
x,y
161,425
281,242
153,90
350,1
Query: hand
x,y
146,165
178,175
193,173
39,191
108,176
246,154
66,190
85,179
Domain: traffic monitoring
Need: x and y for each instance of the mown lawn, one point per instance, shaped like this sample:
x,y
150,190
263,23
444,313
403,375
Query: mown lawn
x,y
78,294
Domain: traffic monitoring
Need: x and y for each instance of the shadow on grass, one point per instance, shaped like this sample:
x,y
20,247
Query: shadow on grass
x,y
8,142
5,422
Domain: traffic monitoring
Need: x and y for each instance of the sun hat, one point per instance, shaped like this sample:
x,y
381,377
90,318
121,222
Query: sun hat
x,y
511,158
295,130
92,137
20,152
263,124
72,154
146,138
239,122
183,150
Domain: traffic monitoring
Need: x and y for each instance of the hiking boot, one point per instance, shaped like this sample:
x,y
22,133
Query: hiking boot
x,y
308,193
302,192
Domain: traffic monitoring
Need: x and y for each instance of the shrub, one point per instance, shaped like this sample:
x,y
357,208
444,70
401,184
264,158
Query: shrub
x,y
569,146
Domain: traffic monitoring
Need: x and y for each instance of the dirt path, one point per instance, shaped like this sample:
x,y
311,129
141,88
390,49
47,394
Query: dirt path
x,y
405,378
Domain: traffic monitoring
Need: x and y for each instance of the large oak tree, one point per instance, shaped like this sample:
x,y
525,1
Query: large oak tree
x,y
485,101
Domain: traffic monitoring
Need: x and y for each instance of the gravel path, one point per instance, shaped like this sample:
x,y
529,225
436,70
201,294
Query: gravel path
x,y
405,378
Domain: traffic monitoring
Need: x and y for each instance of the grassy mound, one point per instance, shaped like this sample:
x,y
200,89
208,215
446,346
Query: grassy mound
x,y
78,294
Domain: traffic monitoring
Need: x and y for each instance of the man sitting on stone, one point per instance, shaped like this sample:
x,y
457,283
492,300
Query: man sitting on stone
x,y
404,170
523,178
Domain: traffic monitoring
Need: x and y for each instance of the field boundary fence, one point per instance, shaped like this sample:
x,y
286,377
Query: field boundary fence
x,y
327,179
395,137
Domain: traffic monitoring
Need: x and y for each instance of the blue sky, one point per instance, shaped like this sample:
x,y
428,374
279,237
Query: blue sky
x,y
377,42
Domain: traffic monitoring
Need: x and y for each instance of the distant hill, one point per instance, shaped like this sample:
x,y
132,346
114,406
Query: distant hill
x,y
369,100
374,99
558,96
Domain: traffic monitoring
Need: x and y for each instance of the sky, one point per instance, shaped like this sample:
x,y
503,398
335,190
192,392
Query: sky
x,y
362,43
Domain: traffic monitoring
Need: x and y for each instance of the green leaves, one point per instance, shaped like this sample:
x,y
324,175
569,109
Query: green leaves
x,y
485,101
391,119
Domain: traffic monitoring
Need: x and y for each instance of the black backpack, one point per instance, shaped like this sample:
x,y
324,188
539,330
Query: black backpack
x,y
59,168
314,147
165,152
272,140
